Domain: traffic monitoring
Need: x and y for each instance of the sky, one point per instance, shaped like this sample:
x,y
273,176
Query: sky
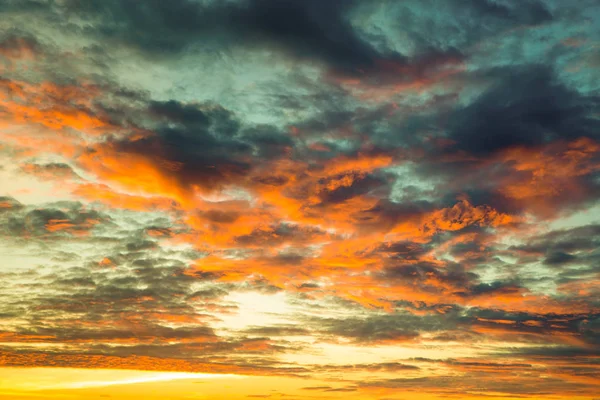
x,y
300,199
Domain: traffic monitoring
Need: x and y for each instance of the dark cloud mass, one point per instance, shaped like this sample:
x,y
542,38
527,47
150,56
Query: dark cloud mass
x,y
523,107
369,199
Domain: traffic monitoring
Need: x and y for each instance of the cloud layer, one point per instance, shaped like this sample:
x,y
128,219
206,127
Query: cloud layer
x,y
381,195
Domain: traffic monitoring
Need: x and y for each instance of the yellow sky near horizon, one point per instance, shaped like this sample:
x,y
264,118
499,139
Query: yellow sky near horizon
x,y
80,384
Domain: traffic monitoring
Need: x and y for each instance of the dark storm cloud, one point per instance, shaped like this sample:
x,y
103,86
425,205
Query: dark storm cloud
x,y
203,143
312,28
309,30
405,249
385,213
521,105
481,149
451,277
525,106
496,287
361,184
578,247
559,258
582,238
444,25
268,142
200,144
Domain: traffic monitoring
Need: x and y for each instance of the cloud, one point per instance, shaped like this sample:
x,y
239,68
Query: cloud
x,y
69,218
524,107
402,194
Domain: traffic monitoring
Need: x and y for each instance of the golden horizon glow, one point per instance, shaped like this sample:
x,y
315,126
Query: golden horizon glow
x,y
24,378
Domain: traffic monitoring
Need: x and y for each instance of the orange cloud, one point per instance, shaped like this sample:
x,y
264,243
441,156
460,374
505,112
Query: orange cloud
x,y
53,106
420,228
545,178
137,176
